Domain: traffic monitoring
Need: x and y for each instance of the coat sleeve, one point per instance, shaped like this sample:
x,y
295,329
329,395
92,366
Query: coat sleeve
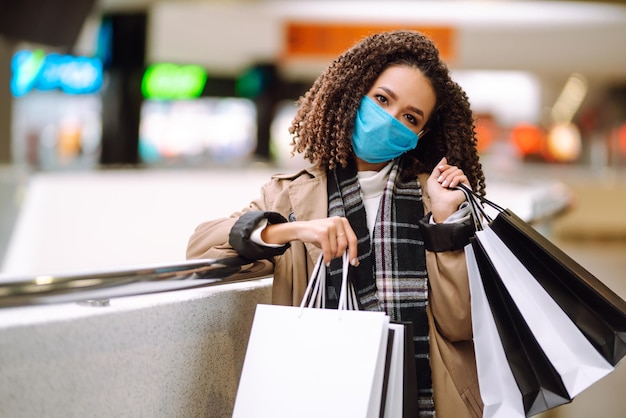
x,y
241,231
449,295
211,238
453,363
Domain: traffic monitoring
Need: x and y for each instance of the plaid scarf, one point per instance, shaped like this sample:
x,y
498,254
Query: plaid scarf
x,y
391,275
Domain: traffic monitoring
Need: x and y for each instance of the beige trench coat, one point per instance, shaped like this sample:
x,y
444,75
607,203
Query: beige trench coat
x,y
303,195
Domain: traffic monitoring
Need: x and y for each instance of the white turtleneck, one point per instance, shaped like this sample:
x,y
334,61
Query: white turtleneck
x,y
372,188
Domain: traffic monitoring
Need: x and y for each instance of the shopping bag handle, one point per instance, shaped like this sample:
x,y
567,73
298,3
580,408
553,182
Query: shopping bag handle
x,y
343,295
315,293
478,213
476,202
477,196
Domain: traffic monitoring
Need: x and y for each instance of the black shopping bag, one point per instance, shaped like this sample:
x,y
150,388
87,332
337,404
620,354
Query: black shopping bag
x,y
553,305
595,309
540,385
598,311
400,395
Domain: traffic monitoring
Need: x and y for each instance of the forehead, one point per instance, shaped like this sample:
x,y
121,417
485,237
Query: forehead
x,y
401,73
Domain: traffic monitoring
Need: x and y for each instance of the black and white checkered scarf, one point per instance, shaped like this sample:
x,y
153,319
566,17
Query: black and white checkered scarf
x,y
391,276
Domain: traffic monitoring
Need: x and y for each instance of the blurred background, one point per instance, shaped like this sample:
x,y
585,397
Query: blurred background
x,y
125,123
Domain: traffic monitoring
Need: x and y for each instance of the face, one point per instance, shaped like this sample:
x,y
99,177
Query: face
x,y
406,94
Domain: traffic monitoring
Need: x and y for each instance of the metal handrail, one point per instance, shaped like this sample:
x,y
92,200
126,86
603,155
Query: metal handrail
x,y
131,281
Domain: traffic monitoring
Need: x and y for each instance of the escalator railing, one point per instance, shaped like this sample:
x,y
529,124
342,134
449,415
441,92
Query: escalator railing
x,y
131,281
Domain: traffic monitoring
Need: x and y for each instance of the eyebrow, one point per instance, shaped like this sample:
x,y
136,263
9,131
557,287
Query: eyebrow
x,y
393,95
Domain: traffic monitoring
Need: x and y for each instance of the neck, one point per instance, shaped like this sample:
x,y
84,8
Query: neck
x,y
365,166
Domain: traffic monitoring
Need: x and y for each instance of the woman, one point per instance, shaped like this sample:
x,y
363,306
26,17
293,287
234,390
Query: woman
x,y
389,135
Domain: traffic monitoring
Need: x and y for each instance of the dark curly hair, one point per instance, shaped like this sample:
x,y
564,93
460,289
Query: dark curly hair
x,y
323,125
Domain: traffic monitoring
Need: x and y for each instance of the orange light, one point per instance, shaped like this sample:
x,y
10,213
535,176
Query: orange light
x,y
485,133
621,138
528,139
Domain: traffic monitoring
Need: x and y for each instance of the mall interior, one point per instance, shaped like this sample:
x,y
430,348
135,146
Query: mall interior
x,y
121,121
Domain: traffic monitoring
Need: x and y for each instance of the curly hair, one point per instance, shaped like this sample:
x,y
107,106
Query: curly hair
x,y
323,125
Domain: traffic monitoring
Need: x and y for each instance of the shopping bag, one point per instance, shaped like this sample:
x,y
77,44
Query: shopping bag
x,y
550,295
596,310
539,383
400,393
498,388
309,362
391,403
410,406
577,361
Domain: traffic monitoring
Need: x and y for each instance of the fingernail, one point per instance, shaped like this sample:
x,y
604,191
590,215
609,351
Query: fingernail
x,y
441,167
354,262
444,183
439,179
327,264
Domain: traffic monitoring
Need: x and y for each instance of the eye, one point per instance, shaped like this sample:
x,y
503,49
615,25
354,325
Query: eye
x,y
412,119
381,99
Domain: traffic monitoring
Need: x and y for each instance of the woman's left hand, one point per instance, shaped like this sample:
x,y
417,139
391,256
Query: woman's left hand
x,y
444,197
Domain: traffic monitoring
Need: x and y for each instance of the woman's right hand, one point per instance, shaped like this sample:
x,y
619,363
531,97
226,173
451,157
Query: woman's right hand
x,y
332,235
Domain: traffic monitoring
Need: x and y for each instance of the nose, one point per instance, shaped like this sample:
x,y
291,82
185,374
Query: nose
x,y
394,111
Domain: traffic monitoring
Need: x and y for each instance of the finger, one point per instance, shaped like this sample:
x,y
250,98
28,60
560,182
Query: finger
x,y
449,175
332,243
456,180
453,178
444,170
352,243
327,254
439,168
342,244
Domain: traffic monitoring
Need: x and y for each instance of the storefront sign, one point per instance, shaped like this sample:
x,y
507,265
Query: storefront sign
x,y
71,74
167,81
327,40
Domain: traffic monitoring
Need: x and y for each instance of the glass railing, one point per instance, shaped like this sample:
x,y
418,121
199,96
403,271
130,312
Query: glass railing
x,y
100,286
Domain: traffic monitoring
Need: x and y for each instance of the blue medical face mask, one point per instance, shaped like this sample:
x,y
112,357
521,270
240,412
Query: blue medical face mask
x,y
378,136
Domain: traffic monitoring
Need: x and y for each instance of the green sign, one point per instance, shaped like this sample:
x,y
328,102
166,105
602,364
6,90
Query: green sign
x,y
171,81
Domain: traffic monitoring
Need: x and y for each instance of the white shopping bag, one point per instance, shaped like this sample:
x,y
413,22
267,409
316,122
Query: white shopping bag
x,y
578,363
395,382
308,362
498,389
